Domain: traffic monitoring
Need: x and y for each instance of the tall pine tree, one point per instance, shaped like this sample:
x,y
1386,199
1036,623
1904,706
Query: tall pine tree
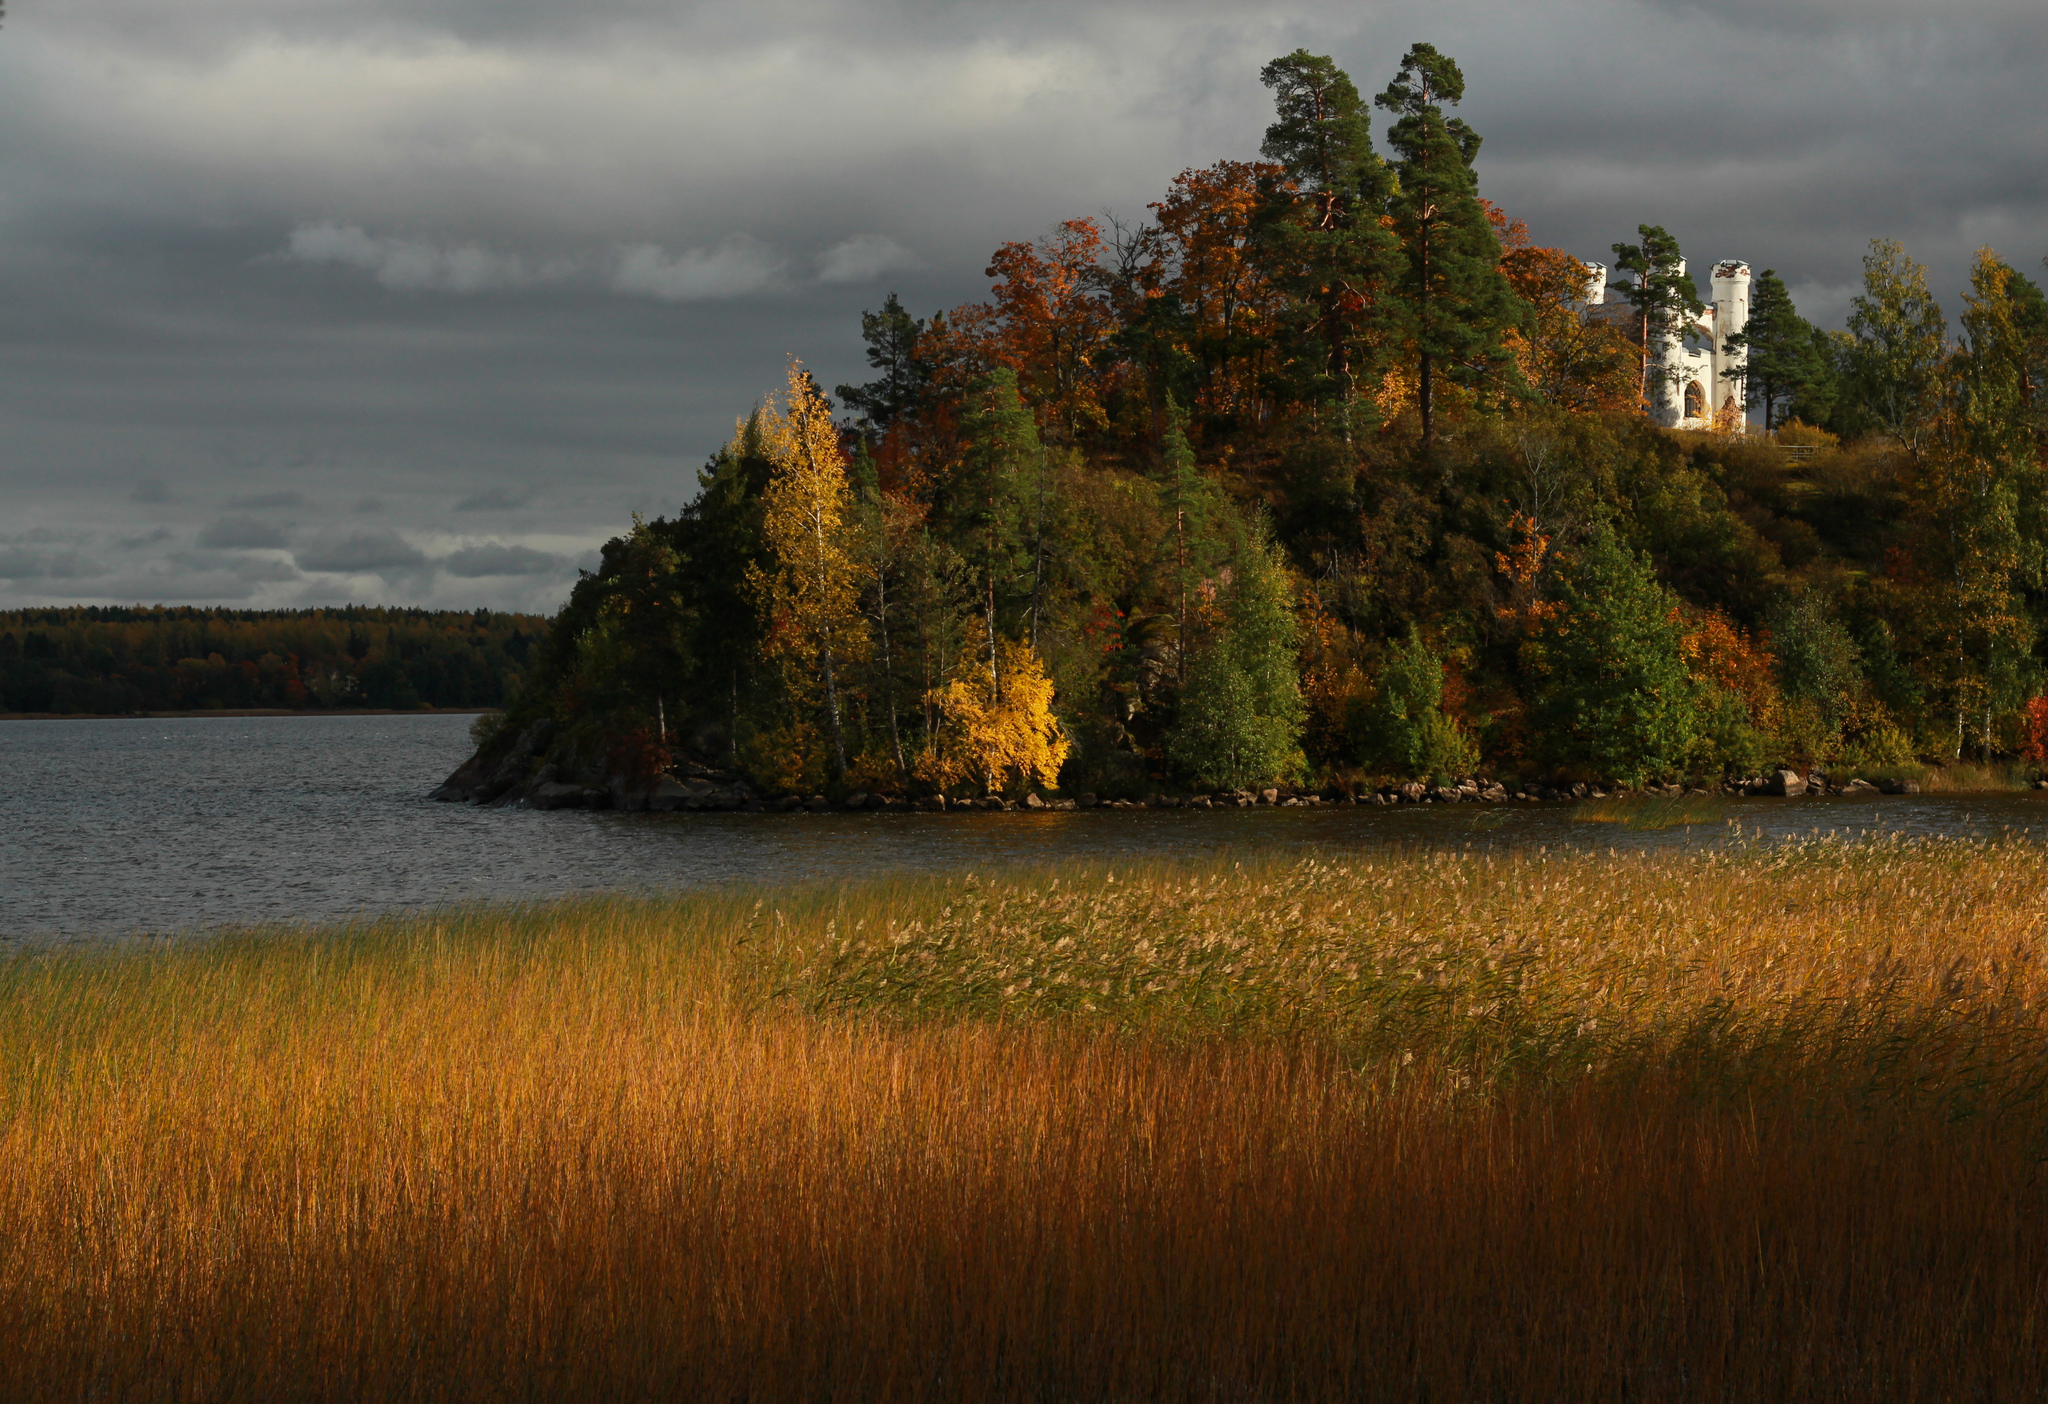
x,y
1322,226
1457,300
1664,300
1786,364
892,335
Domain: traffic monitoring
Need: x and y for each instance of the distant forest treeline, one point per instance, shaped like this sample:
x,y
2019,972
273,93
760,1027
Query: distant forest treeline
x,y
1329,472
95,659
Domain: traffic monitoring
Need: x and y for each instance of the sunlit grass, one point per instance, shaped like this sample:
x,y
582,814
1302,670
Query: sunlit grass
x,y
1746,1123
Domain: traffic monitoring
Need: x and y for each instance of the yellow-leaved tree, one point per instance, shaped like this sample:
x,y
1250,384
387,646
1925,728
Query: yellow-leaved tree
x,y
809,601
996,736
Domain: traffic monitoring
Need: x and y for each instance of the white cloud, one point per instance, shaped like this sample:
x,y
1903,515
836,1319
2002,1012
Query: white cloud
x,y
422,264
863,258
734,268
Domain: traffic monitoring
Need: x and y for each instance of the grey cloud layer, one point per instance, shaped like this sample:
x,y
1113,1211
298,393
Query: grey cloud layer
x,y
253,562
284,284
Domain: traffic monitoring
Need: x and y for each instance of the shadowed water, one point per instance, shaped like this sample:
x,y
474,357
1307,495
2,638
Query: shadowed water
x,y
152,826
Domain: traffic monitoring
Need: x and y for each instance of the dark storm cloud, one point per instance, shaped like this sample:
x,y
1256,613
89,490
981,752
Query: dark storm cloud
x,y
566,245
20,563
361,553
495,499
242,533
495,558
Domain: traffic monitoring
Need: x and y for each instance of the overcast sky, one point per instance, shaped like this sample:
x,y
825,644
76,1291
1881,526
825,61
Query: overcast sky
x,y
413,301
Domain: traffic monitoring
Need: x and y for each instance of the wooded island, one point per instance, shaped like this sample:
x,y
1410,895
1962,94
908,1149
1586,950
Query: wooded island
x,y
1328,475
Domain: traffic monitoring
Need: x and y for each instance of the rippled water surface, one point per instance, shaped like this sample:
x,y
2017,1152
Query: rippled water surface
x,y
127,826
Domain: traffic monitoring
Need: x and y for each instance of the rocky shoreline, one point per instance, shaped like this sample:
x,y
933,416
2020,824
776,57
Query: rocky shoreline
x,y
532,775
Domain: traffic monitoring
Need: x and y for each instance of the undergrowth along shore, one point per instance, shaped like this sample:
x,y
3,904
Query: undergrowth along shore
x,y
1753,1122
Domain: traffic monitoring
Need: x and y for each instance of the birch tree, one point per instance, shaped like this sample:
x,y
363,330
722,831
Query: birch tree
x,y
810,601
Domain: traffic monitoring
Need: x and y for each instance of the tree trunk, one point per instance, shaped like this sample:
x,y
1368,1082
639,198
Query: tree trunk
x,y
1038,549
1422,399
1180,552
1643,371
825,660
995,672
888,673
832,710
1425,363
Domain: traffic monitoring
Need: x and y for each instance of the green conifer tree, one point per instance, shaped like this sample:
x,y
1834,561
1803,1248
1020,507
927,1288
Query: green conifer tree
x,y
1003,460
1240,715
1197,513
1612,697
1458,303
720,538
1322,228
892,335
1787,366
1407,732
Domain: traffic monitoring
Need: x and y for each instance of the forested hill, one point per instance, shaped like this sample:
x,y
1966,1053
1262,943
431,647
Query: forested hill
x,y
1327,472
101,660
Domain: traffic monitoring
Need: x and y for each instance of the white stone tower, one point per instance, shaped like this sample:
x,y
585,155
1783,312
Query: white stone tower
x,y
1731,315
1690,365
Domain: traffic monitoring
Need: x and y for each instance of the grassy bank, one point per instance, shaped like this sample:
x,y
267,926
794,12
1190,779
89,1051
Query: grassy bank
x,y
1756,1124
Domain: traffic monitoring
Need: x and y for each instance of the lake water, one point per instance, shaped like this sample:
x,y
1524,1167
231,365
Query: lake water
x,y
110,827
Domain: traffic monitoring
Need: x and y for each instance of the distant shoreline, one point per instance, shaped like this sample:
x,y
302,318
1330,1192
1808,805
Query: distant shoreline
x,y
250,712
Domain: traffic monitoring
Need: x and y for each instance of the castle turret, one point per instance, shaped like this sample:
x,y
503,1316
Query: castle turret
x,y
1596,284
1731,315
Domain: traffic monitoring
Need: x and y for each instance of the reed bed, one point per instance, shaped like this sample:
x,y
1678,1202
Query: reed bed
x,y
1742,1124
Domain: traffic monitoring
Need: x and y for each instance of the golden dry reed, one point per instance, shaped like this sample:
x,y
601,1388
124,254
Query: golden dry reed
x,y
1761,1124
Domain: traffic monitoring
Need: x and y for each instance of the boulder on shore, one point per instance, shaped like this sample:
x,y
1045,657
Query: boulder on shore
x,y
1785,782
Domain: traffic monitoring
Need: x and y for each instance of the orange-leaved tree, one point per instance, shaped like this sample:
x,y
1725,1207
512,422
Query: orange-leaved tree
x,y
1574,360
1719,654
1048,323
2034,731
996,737
1208,223
810,600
